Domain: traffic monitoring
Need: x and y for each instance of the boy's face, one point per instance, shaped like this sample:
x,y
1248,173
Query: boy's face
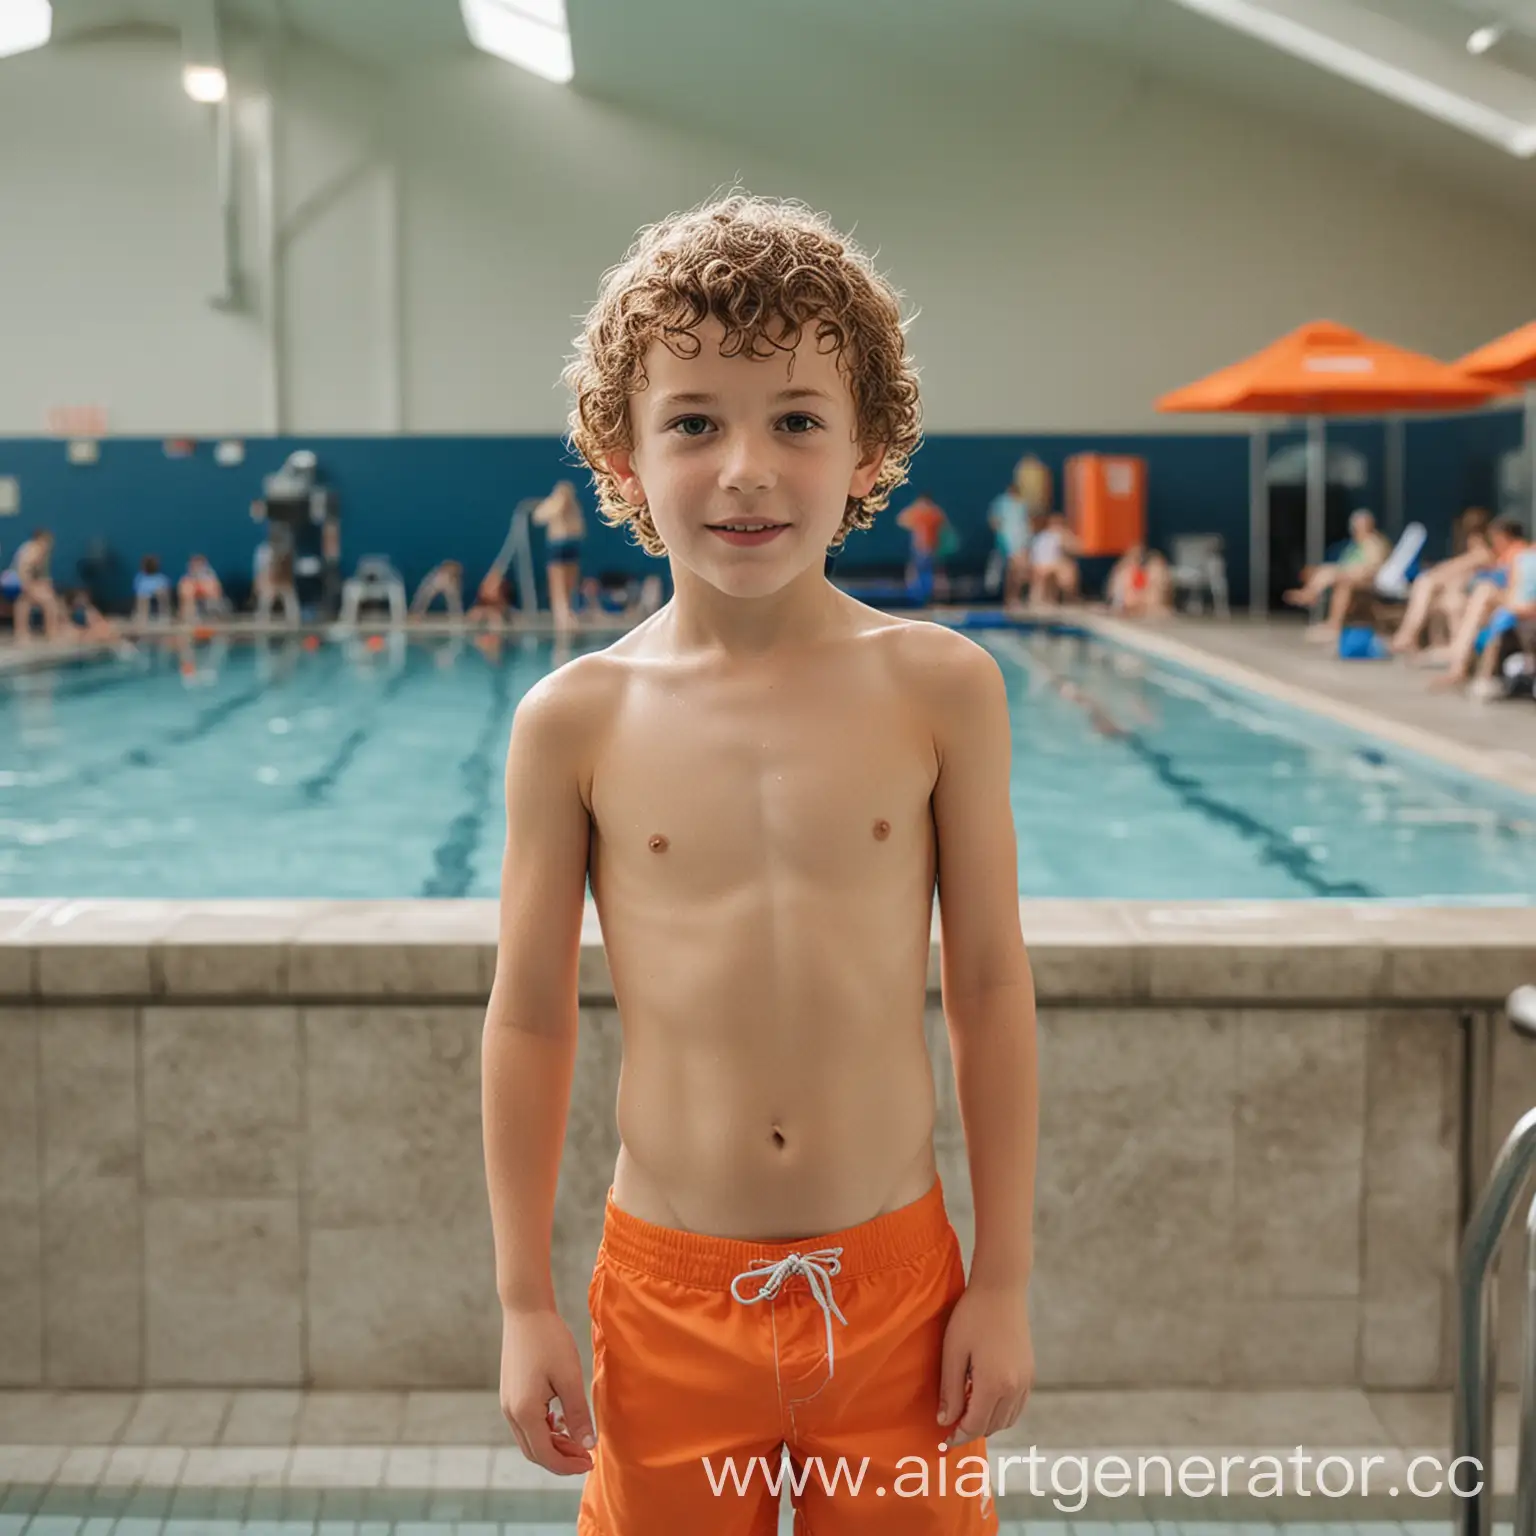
x,y
745,463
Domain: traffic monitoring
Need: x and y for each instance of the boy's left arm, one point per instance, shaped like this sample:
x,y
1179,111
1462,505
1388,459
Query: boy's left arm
x,y
989,1004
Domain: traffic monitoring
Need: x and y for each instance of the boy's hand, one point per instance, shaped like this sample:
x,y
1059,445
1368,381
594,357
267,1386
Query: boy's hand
x,y
539,1362
988,1340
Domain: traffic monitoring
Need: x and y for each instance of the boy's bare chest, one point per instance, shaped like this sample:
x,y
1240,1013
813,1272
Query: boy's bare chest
x,y
823,782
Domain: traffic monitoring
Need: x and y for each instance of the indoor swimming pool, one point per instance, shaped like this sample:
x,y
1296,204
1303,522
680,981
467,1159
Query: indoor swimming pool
x,y
307,767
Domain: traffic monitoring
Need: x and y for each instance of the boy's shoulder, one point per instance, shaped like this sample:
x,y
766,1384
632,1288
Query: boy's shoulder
x,y
939,660
562,709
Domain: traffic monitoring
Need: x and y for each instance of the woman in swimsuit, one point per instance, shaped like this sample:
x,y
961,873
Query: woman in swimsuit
x,y
565,527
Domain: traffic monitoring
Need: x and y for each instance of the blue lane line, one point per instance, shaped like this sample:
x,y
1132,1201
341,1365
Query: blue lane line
x,y
208,720
1274,847
315,789
1422,771
453,859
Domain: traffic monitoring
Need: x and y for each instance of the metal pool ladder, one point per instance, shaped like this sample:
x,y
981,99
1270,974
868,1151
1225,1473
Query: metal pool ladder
x,y
1477,1333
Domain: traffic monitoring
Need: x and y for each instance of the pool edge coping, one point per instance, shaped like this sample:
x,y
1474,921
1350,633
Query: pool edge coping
x,y
1084,953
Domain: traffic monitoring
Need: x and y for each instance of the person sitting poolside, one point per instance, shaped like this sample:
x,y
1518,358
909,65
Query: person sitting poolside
x,y
1140,585
445,581
151,589
1439,594
199,593
1517,612
493,599
1352,572
29,587
87,621
1053,571
1490,587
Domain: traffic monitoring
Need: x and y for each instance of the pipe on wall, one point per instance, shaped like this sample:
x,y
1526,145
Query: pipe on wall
x,y
231,296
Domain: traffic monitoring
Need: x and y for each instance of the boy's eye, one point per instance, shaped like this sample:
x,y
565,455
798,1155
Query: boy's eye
x,y
798,423
691,426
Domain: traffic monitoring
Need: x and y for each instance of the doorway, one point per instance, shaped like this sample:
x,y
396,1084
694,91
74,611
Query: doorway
x,y
1286,475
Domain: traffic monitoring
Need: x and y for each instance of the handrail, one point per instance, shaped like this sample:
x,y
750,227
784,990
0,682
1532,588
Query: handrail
x,y
1521,1009
1477,1332
1525,1476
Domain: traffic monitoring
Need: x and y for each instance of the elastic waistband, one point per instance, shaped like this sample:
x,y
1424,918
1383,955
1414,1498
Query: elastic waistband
x,y
694,1258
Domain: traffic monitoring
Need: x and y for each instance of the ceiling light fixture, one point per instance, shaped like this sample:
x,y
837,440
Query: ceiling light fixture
x,y
1486,37
24,25
202,55
533,34
1513,134
204,82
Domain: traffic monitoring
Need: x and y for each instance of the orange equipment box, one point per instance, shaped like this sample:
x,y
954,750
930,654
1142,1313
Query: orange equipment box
x,y
1107,501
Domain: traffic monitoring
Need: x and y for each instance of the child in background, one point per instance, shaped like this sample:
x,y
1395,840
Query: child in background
x,y
1011,518
1053,571
151,590
932,540
1140,585
199,593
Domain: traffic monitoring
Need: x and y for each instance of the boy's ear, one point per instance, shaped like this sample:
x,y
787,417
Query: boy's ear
x,y
621,465
867,471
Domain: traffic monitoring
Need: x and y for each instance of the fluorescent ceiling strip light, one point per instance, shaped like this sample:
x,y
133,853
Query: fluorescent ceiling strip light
x,y
24,25
1366,69
529,33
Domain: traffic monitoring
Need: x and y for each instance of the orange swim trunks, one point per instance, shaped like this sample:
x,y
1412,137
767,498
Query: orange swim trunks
x,y
711,1356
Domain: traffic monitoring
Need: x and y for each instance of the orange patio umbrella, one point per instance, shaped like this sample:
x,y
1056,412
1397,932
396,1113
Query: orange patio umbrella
x,y
1322,369
1325,369
1512,360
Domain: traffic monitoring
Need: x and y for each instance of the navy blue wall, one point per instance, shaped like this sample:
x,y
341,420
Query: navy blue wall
x,y
424,499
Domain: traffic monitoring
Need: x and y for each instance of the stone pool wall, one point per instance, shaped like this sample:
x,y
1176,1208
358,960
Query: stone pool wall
x,y
240,1142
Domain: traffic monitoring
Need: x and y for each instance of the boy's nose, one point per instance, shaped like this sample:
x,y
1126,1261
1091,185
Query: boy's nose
x,y
748,466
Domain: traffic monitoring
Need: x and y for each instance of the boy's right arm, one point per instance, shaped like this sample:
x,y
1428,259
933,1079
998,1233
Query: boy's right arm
x,y
527,1060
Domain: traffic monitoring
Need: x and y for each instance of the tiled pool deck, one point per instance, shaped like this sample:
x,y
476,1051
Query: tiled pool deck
x,y
282,1463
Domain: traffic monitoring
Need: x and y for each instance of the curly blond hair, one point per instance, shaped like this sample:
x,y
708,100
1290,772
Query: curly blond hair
x,y
765,268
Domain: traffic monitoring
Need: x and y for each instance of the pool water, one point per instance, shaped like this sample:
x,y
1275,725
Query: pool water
x,y
374,769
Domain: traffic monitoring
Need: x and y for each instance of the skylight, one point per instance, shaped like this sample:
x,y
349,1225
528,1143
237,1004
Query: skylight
x,y
24,25
532,34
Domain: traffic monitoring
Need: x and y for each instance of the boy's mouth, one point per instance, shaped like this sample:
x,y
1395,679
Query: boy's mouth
x,y
747,530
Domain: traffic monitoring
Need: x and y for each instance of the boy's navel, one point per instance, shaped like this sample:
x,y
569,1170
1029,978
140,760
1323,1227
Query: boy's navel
x,y
658,843
882,829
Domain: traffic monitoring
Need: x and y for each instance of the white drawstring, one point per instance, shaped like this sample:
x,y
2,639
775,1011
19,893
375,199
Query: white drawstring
x,y
818,1269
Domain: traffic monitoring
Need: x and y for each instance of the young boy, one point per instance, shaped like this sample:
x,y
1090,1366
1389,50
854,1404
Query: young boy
x,y
765,780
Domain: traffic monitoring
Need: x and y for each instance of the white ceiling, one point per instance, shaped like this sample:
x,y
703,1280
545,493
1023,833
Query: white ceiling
x,y
695,60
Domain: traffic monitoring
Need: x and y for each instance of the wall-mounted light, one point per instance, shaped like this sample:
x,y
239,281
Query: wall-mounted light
x,y
24,25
